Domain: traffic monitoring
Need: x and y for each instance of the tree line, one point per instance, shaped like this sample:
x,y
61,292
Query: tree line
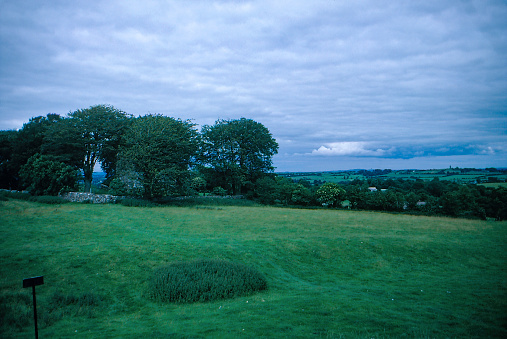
x,y
156,156
151,156
435,197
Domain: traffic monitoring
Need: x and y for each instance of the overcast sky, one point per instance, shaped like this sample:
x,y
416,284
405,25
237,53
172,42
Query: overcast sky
x,y
340,84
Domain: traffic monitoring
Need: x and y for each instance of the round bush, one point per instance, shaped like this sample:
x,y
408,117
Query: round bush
x,y
204,280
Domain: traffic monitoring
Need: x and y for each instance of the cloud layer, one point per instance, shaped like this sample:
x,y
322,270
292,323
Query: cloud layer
x,y
340,84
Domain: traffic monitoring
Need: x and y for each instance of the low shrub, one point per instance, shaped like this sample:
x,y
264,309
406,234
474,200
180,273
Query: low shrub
x,y
204,280
16,195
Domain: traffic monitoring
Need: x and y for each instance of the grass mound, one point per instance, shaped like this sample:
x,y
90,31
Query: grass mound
x,y
204,280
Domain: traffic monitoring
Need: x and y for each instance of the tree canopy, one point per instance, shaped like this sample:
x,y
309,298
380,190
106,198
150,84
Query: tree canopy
x,y
88,136
43,175
159,151
237,152
330,194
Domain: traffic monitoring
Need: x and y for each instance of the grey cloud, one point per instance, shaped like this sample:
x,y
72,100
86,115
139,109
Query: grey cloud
x,y
393,79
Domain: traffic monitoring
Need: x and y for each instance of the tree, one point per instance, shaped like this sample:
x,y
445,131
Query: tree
x,y
8,174
31,137
16,147
412,200
88,136
198,184
42,175
394,201
330,194
265,190
236,152
301,195
160,150
357,195
283,189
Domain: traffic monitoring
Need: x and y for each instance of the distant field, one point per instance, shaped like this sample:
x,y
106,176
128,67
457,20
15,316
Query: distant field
x,y
331,274
496,184
442,174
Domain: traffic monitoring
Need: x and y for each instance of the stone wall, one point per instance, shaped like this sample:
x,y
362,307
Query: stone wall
x,y
90,197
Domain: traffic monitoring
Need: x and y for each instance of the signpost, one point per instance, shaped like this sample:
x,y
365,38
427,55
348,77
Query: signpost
x,y
32,282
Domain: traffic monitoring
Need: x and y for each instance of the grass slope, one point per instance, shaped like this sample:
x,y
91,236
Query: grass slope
x,y
331,274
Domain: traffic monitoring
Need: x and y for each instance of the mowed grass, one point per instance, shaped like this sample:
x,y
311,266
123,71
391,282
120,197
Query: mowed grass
x,y
331,274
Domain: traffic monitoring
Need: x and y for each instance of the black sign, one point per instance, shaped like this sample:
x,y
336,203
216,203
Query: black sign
x,y
35,281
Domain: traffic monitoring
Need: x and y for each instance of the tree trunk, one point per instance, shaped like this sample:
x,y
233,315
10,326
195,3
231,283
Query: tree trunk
x,y
87,185
88,176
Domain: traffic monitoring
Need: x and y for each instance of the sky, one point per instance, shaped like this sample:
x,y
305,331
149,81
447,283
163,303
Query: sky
x,y
340,84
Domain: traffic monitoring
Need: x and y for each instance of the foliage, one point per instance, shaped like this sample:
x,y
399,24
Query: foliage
x,y
43,199
219,191
160,151
16,147
236,152
278,190
16,195
198,184
301,195
420,197
42,175
330,194
204,280
8,171
87,136
430,197
126,182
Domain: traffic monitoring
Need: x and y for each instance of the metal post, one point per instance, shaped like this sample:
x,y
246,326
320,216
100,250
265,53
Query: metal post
x,y
32,282
35,313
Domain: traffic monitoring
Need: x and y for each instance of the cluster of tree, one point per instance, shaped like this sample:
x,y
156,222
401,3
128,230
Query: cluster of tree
x,y
155,156
433,197
151,156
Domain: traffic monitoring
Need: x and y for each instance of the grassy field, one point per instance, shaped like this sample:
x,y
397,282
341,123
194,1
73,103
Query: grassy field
x,y
331,274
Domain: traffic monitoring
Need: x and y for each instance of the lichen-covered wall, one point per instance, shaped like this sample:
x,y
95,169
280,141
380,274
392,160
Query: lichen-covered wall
x,y
90,197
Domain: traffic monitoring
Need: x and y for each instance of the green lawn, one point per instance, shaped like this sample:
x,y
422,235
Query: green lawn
x,y
331,274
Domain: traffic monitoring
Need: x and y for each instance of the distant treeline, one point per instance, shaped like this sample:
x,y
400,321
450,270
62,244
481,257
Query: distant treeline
x,y
435,197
